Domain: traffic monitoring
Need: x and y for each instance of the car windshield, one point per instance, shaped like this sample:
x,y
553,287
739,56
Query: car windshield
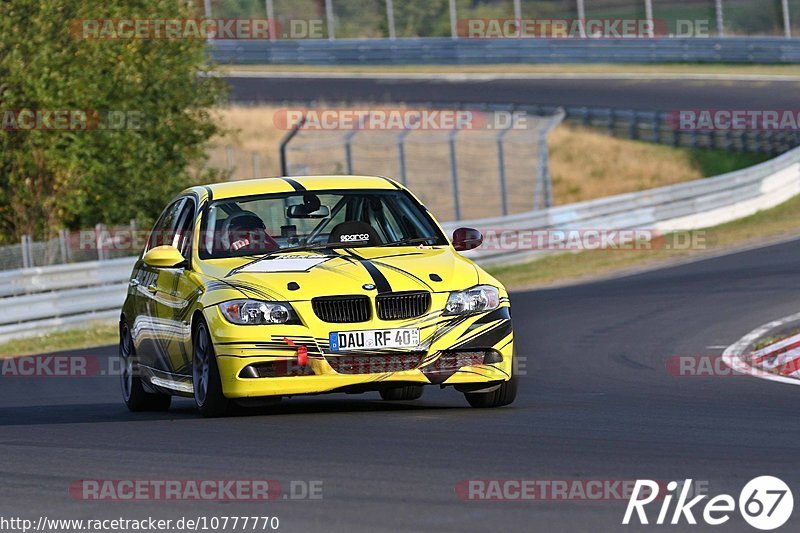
x,y
257,225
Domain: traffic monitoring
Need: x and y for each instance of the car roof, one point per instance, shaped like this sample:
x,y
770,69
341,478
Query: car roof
x,y
234,189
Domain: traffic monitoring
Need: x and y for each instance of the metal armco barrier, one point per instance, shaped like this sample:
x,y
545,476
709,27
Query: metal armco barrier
x,y
37,299
445,51
34,300
685,206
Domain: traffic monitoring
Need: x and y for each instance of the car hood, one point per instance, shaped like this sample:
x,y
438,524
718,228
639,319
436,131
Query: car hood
x,y
301,276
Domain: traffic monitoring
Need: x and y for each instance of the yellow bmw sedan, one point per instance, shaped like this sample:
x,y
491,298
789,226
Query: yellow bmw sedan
x,y
250,291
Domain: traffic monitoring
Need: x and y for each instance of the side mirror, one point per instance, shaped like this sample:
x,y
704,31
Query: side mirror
x,y
164,257
466,239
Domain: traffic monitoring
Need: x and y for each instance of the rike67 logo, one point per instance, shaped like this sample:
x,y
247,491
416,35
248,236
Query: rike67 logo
x,y
765,503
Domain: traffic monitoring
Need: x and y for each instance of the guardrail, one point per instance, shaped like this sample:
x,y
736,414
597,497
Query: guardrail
x,y
445,51
33,300
36,299
684,206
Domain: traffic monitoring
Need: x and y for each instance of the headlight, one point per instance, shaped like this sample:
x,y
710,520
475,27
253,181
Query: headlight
x,y
256,313
474,300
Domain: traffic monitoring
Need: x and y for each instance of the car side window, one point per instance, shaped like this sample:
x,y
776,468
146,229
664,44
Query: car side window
x,y
185,227
163,233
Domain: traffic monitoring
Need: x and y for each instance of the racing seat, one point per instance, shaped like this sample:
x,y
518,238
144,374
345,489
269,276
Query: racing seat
x,y
357,233
245,231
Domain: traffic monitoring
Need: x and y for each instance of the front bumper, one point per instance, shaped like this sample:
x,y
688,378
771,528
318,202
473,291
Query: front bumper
x,y
452,353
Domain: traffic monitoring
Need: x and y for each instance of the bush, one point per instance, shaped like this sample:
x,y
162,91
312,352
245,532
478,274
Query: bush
x,y
55,178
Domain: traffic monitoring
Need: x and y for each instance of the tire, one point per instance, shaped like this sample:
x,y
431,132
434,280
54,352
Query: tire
x,y
208,396
136,398
408,392
503,395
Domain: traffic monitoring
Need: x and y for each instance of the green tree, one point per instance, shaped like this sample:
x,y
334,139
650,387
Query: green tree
x,y
55,178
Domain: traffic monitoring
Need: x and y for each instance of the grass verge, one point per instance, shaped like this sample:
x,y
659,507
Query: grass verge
x,y
93,334
770,224
774,339
586,164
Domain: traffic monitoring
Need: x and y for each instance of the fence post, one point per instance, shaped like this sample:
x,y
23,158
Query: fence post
x,y
25,245
633,126
501,164
229,157
207,10
348,150
657,128
787,22
329,19
98,234
401,151
390,19
63,244
612,121
582,18
586,116
720,18
729,140
453,20
401,155
543,170
518,10
454,173
273,27
285,142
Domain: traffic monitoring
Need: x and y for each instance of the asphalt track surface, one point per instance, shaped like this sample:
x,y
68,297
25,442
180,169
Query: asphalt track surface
x,y
597,403
640,94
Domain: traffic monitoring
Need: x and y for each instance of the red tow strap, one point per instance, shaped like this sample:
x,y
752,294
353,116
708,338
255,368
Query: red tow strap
x,y
302,351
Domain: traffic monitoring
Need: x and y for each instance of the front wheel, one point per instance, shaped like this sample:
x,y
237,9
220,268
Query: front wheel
x,y
503,395
136,398
205,376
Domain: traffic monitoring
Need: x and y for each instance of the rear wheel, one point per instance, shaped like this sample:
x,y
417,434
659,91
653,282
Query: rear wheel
x,y
136,398
407,392
205,376
503,395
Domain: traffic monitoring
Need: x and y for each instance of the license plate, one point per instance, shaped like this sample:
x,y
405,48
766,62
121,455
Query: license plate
x,y
374,339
